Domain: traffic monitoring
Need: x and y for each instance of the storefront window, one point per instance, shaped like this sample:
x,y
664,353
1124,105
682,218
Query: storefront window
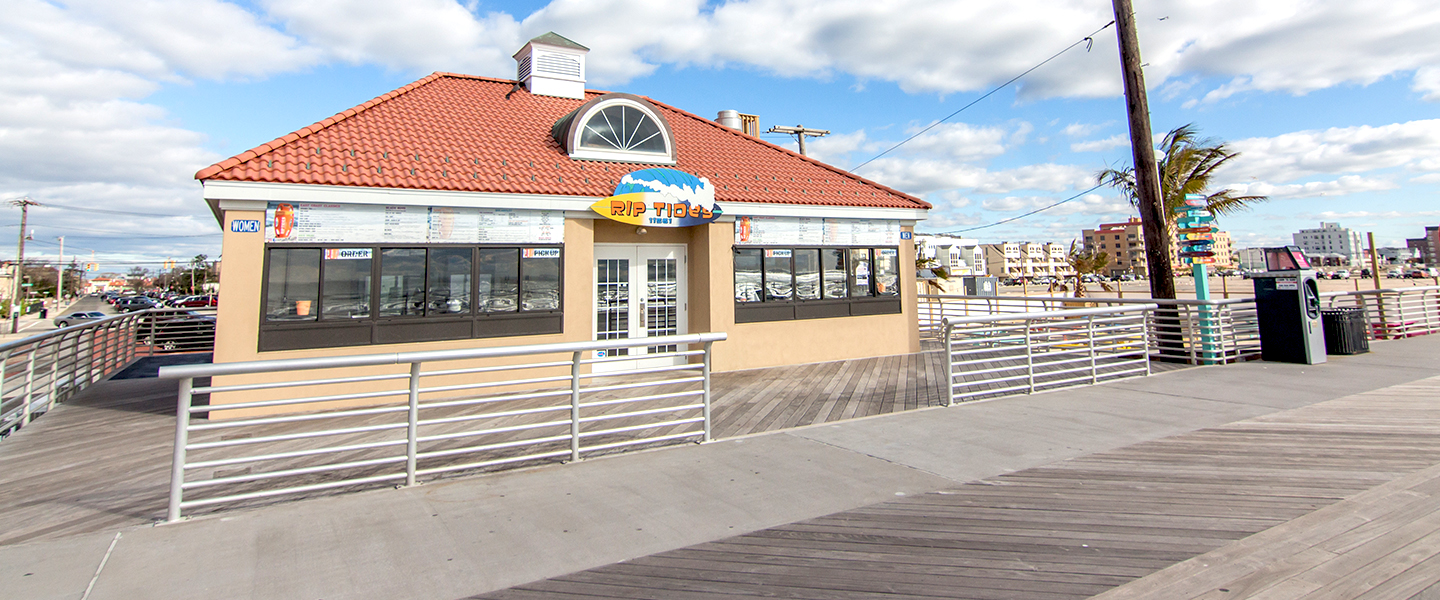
x,y
887,272
860,271
449,288
747,275
346,283
468,291
833,269
774,284
293,284
540,279
779,283
498,288
807,274
402,282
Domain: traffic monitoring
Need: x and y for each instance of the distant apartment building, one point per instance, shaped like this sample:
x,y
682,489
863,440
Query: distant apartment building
x,y
1330,245
1124,243
1026,259
959,256
1428,247
1397,256
1251,259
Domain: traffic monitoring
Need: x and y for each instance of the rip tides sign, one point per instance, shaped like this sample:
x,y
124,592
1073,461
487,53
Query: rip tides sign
x,y
660,198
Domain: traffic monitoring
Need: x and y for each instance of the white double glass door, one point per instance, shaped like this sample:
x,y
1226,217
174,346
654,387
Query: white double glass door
x,y
639,293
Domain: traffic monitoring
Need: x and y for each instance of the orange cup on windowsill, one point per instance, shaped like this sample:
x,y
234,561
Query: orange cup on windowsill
x,y
302,308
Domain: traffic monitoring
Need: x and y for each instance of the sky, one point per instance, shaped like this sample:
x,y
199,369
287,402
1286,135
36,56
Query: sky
x,y
111,107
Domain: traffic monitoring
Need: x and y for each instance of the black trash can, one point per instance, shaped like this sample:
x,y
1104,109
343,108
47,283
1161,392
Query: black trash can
x,y
1344,330
44,312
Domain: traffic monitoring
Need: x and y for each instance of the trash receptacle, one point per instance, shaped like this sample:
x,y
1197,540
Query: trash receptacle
x,y
1344,330
43,312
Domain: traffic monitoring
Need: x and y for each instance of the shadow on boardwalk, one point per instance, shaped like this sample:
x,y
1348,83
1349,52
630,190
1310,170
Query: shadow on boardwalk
x,y
102,461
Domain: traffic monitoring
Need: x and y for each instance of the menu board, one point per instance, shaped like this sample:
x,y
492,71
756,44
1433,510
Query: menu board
x,y
812,231
309,223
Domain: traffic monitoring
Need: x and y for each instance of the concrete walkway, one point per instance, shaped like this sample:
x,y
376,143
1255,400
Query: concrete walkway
x,y
474,535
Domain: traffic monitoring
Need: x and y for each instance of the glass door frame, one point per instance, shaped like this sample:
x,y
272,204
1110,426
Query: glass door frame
x,y
639,256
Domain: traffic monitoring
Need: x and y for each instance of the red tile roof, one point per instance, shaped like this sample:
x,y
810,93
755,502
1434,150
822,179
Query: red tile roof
x,y
460,133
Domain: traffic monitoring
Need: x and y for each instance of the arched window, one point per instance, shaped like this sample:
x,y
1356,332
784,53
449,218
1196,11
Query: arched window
x,y
617,127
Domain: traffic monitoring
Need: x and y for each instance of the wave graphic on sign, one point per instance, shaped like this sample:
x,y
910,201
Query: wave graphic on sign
x,y
677,185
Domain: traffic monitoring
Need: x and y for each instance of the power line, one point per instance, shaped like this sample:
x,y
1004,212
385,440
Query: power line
x,y
1038,210
122,235
110,212
1087,39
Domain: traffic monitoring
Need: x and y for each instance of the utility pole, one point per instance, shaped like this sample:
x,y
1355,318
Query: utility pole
x,y
24,203
60,282
800,132
1153,220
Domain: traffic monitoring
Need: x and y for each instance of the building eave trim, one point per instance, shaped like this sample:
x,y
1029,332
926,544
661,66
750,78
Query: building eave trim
x,y
223,194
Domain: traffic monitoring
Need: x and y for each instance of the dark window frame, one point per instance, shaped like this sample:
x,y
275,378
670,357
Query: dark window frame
x,y
796,308
377,329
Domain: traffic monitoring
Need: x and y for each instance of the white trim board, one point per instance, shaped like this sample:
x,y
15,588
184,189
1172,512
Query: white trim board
x,y
237,195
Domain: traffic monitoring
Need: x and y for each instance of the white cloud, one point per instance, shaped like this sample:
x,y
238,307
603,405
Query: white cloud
x,y
925,176
1114,141
1089,204
1349,184
949,200
419,35
1366,214
1429,178
1337,150
1082,129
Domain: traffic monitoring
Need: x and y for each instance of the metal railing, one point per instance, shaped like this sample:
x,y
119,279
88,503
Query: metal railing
x,y
1184,330
1393,313
1007,354
40,371
350,422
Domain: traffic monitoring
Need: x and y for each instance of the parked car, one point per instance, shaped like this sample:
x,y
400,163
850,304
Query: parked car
x,y
178,331
133,303
1340,274
198,301
78,318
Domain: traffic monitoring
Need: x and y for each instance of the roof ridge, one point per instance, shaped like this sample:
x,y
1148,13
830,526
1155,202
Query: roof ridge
x,y
319,126
792,153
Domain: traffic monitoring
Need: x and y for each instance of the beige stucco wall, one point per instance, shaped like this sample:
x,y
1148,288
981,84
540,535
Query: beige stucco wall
x,y
238,320
711,308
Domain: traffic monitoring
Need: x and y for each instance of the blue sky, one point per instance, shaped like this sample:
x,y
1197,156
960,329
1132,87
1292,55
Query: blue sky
x,y
1333,106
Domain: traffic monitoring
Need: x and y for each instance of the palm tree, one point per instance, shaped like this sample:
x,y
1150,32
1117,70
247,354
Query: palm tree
x,y
1083,261
1188,166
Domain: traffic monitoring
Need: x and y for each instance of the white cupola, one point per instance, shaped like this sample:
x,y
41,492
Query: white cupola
x,y
551,65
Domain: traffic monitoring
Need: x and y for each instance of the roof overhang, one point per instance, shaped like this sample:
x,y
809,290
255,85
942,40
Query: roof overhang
x,y
244,195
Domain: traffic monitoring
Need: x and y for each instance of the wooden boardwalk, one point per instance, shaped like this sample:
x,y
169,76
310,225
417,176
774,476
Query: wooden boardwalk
x,y
102,460
1346,493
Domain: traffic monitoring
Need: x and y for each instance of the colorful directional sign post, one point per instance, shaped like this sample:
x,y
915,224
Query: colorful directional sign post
x,y
1195,234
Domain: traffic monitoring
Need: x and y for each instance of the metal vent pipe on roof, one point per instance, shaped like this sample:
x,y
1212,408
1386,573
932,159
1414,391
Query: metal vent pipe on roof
x,y
729,118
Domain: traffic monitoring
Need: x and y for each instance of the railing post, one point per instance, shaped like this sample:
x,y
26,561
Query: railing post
x,y
412,430
4,373
1029,359
949,363
705,372
1145,318
29,385
55,371
575,406
1090,338
182,439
